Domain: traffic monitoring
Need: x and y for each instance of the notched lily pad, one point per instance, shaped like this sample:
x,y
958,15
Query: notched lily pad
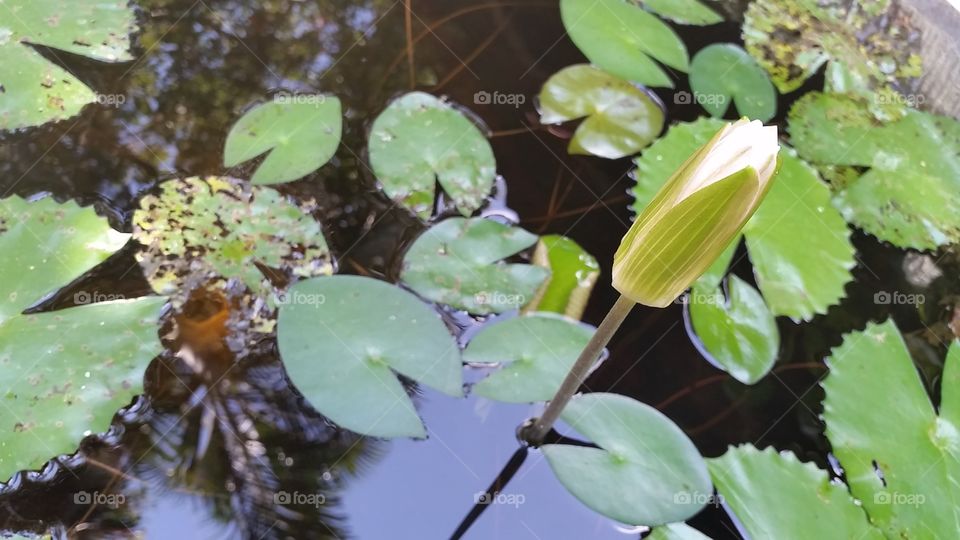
x,y
459,262
619,117
420,140
33,90
723,72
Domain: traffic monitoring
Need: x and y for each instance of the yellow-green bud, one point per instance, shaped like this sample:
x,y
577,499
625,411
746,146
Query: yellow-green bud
x,y
696,214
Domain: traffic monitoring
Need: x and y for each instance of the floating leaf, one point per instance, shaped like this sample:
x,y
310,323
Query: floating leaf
x,y
341,339
458,262
645,471
910,196
620,118
874,395
573,274
539,350
740,334
676,531
723,71
806,503
793,38
684,11
621,37
202,230
420,140
65,372
34,91
300,132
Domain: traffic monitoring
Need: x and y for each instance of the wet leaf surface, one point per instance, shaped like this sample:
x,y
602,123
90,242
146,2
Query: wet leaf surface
x,y
723,73
573,274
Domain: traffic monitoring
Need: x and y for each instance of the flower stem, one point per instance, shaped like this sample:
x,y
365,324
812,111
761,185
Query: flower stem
x,y
535,434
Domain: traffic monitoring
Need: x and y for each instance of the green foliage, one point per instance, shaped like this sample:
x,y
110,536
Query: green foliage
x,y
341,339
420,140
624,39
300,132
573,274
910,194
458,262
538,351
33,90
645,471
65,372
683,11
676,531
726,71
619,118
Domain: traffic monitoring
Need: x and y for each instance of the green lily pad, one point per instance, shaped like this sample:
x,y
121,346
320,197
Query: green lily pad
x,y
342,338
458,262
300,132
33,90
624,39
684,11
573,274
724,72
874,395
739,334
910,196
645,471
676,531
776,496
792,39
420,140
538,350
65,372
619,118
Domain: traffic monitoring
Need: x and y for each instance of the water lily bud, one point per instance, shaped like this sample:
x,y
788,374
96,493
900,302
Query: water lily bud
x,y
696,214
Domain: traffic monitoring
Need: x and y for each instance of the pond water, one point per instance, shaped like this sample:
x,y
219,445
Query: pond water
x,y
204,456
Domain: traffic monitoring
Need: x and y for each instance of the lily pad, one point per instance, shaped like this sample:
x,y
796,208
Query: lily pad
x,y
573,274
776,496
538,351
420,140
792,39
624,39
33,90
300,132
740,334
724,72
691,12
910,196
619,117
874,395
458,262
65,373
342,338
645,471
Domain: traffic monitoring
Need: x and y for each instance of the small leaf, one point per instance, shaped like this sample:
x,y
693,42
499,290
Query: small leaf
x,y
621,37
620,118
684,11
457,262
300,132
420,140
676,531
776,496
874,395
33,90
723,71
539,350
573,274
645,471
342,337
740,335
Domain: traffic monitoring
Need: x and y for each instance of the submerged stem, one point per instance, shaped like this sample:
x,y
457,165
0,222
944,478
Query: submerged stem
x,y
611,322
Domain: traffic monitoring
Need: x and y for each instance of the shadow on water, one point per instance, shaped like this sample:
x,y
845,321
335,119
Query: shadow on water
x,y
223,447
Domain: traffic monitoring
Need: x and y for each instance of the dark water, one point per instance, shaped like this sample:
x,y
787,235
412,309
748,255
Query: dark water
x,y
205,457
